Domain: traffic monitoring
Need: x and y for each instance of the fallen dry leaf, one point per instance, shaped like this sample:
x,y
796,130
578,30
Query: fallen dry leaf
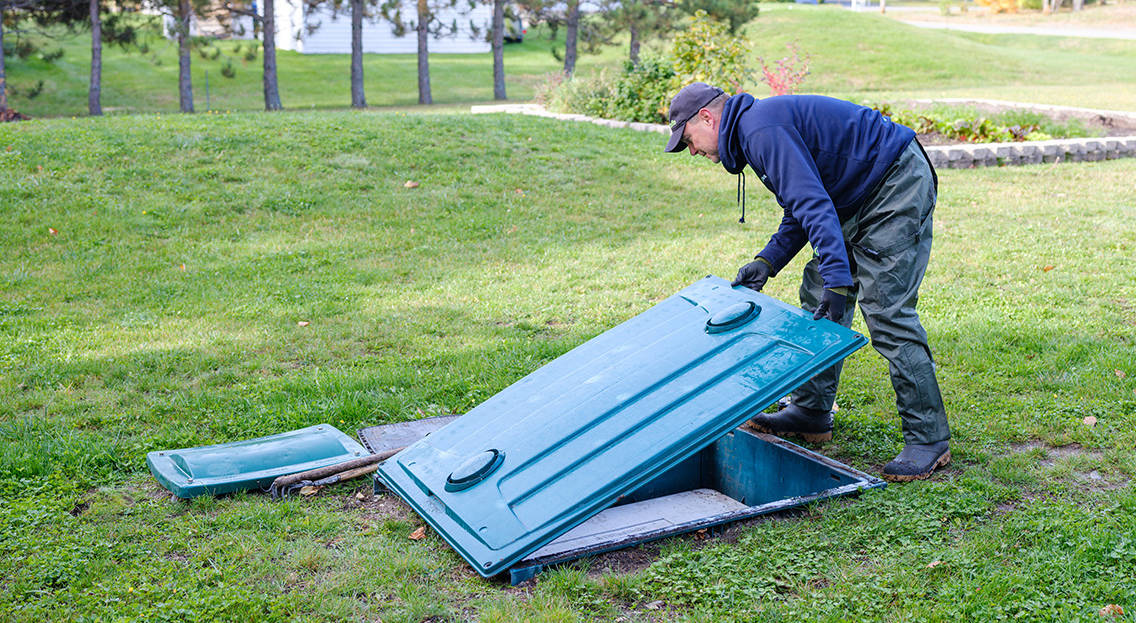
x,y
411,184
1090,420
53,231
418,534
360,496
654,605
1112,610
303,323
309,490
1047,268
932,565
1120,374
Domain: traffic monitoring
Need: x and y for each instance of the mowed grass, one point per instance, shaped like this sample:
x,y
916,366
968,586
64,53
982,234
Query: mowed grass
x,y
865,55
852,55
135,82
154,270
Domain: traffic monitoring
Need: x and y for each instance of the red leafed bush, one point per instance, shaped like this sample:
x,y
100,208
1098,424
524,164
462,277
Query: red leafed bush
x,y
787,73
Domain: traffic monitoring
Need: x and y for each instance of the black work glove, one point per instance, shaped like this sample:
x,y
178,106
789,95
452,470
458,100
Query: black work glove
x,y
831,306
753,275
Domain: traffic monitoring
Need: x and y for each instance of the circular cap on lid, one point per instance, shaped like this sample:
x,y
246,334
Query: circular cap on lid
x,y
732,317
475,469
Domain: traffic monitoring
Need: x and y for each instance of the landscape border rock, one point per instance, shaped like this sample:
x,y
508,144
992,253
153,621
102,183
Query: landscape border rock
x,y
963,156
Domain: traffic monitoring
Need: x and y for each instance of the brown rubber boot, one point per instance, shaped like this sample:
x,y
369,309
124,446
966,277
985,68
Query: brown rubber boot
x,y
918,461
812,425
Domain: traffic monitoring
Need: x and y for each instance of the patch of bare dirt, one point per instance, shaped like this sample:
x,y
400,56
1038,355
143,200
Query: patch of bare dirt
x,y
1056,453
1091,480
378,507
624,561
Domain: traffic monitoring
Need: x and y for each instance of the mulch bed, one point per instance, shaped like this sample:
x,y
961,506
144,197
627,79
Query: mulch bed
x,y
1100,125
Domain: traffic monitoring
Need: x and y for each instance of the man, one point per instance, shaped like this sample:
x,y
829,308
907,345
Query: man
x,y
860,190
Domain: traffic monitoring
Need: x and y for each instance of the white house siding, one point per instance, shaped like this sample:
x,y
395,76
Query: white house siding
x,y
290,25
334,33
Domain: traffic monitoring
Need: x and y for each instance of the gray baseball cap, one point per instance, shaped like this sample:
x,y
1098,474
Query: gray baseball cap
x,y
691,99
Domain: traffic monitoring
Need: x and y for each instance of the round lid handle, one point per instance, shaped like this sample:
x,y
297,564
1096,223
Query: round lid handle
x,y
732,317
474,469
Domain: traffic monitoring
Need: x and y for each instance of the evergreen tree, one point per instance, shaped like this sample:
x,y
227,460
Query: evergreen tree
x,y
427,24
641,19
33,16
733,13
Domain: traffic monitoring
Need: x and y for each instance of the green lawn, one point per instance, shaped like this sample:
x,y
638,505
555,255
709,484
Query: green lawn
x,y
853,55
163,312
135,82
857,55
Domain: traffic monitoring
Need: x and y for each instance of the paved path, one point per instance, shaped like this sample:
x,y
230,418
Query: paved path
x,y
1052,31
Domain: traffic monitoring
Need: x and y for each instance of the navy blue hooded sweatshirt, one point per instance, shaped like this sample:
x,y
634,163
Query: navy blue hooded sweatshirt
x,y
821,157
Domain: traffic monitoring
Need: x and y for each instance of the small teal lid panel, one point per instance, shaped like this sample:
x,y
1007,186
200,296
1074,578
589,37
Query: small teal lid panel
x,y
250,464
564,442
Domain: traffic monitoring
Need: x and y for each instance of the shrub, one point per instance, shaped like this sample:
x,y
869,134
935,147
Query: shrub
x,y
707,52
585,96
704,53
1000,6
787,74
642,92
637,93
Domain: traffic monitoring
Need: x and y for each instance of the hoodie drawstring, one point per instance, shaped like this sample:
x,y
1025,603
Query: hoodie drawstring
x,y
742,195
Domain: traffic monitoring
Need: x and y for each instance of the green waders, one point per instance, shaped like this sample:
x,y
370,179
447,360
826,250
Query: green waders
x,y
889,243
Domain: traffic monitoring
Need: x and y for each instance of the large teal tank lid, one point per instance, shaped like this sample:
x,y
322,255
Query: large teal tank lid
x,y
564,442
252,463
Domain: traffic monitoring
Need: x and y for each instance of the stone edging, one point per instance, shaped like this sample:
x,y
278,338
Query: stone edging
x,y
964,156
968,156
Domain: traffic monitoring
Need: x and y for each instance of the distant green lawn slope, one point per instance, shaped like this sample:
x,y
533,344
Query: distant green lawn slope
x,y
863,52
155,270
855,55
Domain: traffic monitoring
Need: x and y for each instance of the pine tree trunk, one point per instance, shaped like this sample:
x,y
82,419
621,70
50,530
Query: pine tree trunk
x,y
358,97
95,89
423,54
498,45
185,80
634,43
3,75
271,89
570,37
